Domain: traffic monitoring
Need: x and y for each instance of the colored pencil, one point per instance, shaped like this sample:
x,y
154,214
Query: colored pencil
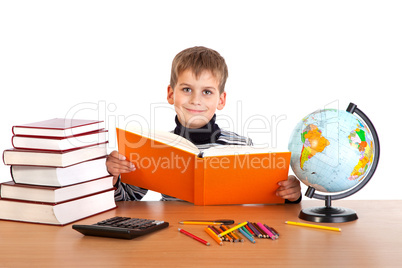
x,y
231,234
228,236
217,221
255,230
194,237
249,229
232,229
216,231
236,236
268,232
213,235
200,222
275,231
272,231
314,226
246,230
250,238
263,234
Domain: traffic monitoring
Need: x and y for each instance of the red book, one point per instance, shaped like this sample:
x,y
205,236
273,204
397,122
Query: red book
x,y
57,214
50,194
53,158
58,127
59,143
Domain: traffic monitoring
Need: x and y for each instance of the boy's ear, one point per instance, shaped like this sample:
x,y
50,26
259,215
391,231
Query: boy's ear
x,y
170,98
222,101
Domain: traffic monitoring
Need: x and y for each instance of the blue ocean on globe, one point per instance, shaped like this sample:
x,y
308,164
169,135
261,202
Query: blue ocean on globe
x,y
332,150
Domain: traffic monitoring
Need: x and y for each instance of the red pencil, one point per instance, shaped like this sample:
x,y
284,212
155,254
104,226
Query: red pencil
x,y
194,237
249,229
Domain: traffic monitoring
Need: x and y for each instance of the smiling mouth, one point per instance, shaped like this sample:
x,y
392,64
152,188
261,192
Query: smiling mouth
x,y
195,111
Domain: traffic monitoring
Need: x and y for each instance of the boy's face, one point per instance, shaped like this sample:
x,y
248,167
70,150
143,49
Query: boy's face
x,y
196,100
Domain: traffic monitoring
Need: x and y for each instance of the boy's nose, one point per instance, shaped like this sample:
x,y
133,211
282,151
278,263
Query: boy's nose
x,y
195,99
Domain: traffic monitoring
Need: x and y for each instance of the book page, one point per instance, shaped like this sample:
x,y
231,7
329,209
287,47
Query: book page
x,y
234,149
167,138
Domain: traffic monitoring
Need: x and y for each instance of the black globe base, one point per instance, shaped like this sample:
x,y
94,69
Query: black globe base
x,y
328,214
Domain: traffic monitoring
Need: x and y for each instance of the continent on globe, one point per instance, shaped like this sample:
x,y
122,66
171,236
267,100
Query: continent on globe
x,y
313,142
332,150
357,139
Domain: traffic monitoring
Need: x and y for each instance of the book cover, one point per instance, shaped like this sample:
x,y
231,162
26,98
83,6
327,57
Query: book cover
x,y
250,178
222,175
50,194
59,143
58,127
57,214
53,158
60,176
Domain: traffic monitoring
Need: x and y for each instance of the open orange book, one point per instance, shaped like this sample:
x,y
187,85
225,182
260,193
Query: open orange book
x,y
172,165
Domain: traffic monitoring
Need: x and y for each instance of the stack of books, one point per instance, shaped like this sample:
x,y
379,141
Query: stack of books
x,y
58,172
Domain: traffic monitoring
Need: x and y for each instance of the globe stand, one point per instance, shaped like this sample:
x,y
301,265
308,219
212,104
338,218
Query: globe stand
x,y
327,213
337,214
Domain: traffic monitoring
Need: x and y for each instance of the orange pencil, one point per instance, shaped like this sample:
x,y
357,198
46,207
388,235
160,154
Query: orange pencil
x,y
214,236
228,236
235,238
216,231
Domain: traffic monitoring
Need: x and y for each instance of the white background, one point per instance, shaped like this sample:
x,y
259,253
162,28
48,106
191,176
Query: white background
x,y
110,60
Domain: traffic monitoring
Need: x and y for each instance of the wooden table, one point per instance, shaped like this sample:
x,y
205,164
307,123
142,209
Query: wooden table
x,y
374,240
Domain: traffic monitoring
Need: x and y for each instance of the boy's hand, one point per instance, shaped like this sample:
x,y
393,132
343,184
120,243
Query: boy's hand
x,y
116,164
289,189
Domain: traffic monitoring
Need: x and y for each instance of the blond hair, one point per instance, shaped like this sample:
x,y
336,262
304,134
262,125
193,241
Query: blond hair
x,y
199,59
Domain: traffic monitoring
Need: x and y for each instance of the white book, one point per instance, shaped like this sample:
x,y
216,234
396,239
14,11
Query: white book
x,y
57,214
53,158
50,194
60,176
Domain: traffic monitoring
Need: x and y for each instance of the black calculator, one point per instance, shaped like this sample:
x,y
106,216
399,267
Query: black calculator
x,y
121,227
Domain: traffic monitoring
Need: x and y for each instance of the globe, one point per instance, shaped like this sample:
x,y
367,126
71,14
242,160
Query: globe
x,y
334,152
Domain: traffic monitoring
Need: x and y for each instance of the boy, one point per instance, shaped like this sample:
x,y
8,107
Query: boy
x,y
197,90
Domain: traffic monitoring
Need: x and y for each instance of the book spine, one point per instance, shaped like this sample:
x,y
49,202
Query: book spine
x,y
99,131
199,187
12,141
4,157
57,152
57,203
12,175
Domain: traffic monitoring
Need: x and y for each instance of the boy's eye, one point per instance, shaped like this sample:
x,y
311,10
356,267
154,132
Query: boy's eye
x,y
207,92
186,89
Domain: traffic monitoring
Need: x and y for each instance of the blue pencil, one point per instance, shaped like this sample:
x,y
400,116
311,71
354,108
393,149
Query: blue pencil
x,y
246,235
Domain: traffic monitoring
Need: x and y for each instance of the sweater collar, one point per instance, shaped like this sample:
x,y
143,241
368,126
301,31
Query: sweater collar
x,y
206,134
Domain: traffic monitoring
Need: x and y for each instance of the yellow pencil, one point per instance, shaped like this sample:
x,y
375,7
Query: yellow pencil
x,y
232,229
313,226
214,236
200,222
